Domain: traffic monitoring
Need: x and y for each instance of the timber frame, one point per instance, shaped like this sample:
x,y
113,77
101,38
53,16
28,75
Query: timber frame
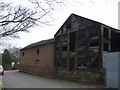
x,y
80,42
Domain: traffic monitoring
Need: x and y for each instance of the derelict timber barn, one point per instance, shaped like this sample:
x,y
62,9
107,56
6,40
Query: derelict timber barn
x,y
80,42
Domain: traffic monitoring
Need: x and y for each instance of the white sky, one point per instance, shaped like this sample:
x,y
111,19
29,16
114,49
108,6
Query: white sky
x,y
104,11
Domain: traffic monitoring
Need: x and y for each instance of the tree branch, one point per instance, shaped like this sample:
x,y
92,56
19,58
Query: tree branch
x,y
15,19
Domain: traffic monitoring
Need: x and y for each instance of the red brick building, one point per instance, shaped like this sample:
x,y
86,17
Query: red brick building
x,y
38,58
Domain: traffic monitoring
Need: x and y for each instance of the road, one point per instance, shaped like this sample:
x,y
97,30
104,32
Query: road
x,y
15,79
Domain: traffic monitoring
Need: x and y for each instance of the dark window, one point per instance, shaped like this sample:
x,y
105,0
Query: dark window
x,y
23,53
64,48
37,62
94,43
37,51
72,41
106,47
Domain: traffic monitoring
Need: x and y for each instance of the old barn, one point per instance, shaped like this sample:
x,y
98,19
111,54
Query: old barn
x,y
79,45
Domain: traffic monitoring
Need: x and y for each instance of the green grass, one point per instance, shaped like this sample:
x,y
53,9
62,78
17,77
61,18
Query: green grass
x,y
1,86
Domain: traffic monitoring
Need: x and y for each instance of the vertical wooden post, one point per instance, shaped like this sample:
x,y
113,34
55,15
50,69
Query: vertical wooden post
x,y
55,61
101,46
87,42
109,39
61,47
68,50
76,50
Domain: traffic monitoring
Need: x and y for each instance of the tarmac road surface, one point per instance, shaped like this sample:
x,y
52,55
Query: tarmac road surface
x,y
16,79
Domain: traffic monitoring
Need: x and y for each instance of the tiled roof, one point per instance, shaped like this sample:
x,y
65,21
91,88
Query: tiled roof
x,y
38,43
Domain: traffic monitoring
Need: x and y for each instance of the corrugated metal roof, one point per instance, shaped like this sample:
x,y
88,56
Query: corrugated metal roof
x,y
39,43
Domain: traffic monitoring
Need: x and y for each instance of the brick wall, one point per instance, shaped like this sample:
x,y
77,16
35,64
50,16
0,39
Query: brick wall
x,y
42,63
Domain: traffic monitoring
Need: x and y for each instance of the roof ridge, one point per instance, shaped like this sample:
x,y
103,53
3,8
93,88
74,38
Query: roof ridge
x,y
32,45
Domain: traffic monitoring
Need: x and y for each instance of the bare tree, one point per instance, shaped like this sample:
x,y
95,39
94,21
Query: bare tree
x,y
14,19
14,51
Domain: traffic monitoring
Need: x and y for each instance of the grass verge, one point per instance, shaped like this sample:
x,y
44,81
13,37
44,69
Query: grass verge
x,y
1,86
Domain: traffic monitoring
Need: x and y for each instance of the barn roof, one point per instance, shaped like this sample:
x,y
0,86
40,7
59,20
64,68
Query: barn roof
x,y
43,42
77,16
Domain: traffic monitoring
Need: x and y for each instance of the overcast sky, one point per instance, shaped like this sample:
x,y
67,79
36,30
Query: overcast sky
x,y
104,11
